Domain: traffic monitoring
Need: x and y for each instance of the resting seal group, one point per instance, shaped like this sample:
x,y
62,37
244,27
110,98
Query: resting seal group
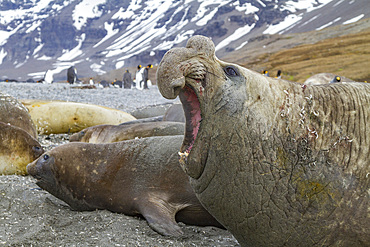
x,y
277,163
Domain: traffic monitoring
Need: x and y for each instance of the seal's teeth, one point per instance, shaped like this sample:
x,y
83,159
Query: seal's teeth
x,y
183,155
183,160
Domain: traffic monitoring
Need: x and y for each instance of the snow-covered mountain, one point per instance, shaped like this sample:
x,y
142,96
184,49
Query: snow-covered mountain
x,y
97,36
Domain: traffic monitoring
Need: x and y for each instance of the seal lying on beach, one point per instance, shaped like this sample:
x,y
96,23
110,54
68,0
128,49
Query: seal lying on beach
x,y
135,177
277,163
116,133
14,113
17,149
55,117
175,113
326,78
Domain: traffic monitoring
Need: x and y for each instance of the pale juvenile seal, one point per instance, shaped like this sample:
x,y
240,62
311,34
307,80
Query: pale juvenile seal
x,y
278,163
175,113
55,117
325,78
150,111
17,149
135,177
15,113
116,133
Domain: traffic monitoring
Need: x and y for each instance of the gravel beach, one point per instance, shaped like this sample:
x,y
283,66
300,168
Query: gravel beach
x,y
30,216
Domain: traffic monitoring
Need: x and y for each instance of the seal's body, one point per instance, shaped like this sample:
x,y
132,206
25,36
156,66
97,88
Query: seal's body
x,y
116,133
15,113
135,177
278,163
55,117
17,149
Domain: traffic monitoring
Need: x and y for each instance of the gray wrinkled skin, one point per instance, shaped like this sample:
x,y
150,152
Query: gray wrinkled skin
x,y
277,163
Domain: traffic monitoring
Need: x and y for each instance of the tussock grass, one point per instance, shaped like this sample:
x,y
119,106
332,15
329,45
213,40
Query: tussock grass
x,y
347,56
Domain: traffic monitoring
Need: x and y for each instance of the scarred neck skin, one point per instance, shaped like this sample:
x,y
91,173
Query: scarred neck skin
x,y
276,162
270,143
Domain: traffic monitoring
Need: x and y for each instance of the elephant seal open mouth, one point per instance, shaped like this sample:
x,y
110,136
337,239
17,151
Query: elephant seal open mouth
x,y
278,163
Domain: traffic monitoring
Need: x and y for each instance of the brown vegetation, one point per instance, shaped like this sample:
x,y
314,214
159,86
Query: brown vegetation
x,y
347,55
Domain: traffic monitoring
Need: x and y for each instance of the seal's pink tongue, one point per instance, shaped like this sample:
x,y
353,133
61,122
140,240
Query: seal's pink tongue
x,y
192,106
195,112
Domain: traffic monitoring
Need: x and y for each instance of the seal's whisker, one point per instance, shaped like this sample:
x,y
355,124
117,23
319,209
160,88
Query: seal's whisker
x,y
220,77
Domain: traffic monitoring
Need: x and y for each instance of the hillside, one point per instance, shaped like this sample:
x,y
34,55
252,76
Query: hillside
x,y
346,53
99,36
342,50
348,56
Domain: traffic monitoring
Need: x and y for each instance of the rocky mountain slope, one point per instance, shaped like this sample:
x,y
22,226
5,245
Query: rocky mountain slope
x,y
103,35
343,50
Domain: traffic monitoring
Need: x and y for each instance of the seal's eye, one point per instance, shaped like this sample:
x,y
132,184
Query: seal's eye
x,y
231,71
46,157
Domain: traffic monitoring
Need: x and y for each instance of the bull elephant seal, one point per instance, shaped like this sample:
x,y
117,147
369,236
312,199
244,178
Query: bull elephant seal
x,y
55,117
15,113
116,133
135,177
17,149
277,163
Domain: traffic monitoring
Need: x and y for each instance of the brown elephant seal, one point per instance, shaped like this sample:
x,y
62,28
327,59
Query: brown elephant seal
x,y
56,117
17,149
15,113
116,133
135,177
277,163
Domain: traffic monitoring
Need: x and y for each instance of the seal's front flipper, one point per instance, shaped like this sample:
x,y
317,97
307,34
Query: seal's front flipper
x,y
161,218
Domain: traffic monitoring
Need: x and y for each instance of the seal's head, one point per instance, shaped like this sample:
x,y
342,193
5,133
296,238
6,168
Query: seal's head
x,y
54,175
200,80
17,149
77,137
43,170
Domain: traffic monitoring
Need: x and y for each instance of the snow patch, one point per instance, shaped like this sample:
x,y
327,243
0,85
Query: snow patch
x,y
357,18
310,20
287,22
8,16
328,24
204,7
37,49
120,64
75,52
44,58
97,68
142,29
261,3
110,32
309,5
248,8
236,35
85,10
2,55
241,45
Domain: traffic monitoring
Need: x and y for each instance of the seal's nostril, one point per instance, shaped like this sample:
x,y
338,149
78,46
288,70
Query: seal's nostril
x,y
176,90
177,85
